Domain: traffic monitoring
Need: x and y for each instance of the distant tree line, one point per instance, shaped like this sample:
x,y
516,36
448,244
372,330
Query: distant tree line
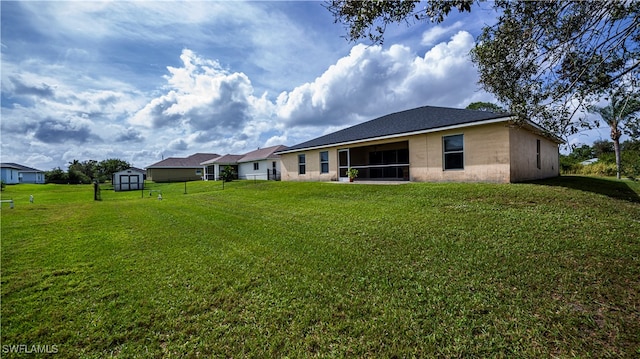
x,y
86,171
603,159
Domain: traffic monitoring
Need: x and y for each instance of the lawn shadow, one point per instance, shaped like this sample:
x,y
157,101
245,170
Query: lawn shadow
x,y
608,187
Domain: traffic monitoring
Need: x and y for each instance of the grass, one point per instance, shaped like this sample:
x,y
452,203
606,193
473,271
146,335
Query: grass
x,y
276,269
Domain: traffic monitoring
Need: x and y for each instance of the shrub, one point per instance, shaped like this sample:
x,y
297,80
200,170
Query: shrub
x,y
228,174
599,168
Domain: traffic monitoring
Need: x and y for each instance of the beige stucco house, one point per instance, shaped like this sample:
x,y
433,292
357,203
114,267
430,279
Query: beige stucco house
x,y
428,144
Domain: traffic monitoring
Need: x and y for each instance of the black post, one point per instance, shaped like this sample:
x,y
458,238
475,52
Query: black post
x,y
185,187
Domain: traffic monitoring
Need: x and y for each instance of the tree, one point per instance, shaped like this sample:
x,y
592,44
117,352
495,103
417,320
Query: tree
x,y
582,153
546,61
84,171
486,106
620,115
56,175
602,147
107,168
370,18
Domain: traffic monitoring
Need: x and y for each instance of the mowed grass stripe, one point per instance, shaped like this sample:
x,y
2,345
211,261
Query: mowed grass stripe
x,y
324,269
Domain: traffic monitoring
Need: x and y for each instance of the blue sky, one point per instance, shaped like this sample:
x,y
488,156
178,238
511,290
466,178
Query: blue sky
x,y
142,81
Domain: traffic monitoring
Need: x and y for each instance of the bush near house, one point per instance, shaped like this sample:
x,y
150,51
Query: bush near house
x,y
285,269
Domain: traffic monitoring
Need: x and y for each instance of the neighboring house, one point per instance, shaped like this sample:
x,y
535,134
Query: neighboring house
x,y
589,161
128,180
262,164
13,173
176,169
213,168
428,144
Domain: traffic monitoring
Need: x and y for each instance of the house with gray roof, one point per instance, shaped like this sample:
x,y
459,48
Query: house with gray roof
x,y
13,173
262,164
178,169
428,144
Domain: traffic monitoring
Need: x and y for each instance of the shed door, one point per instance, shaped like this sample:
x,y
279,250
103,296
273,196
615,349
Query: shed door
x,y
134,182
124,182
129,182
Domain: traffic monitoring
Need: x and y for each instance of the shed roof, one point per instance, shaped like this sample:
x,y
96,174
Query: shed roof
x,y
403,122
192,161
133,169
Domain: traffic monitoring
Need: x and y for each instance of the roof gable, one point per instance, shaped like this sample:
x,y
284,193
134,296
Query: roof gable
x,y
414,120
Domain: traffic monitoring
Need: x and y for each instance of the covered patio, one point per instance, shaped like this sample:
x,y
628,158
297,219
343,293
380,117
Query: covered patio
x,y
381,162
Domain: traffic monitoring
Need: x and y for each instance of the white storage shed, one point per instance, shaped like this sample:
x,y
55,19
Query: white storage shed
x,y
130,179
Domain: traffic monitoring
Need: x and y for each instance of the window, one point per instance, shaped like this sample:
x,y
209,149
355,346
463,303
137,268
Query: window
x,y
198,172
256,166
324,162
453,150
302,164
538,162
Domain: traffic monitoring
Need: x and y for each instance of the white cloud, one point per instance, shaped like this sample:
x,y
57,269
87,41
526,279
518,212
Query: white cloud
x,y
372,81
203,97
437,33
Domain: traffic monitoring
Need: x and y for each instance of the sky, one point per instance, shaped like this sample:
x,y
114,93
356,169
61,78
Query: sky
x,y
146,80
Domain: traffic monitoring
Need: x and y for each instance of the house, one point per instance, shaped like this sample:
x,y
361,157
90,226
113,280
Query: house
x,y
128,180
213,168
178,169
13,173
428,144
262,164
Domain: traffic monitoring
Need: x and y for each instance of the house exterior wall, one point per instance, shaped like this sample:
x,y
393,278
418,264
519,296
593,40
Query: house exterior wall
x,y
492,153
246,169
32,177
486,155
174,174
524,160
9,175
289,166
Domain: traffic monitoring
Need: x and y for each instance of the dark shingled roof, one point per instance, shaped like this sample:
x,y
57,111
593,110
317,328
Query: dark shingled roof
x,y
415,120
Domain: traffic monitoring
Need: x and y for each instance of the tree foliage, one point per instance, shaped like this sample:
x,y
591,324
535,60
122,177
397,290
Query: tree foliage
x,y
620,115
603,150
486,106
549,60
369,18
86,171
546,61
108,167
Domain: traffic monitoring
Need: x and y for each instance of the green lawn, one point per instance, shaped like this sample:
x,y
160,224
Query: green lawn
x,y
276,269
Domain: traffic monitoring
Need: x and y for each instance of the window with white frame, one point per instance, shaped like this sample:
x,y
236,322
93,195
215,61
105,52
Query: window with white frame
x,y
324,162
453,152
256,166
